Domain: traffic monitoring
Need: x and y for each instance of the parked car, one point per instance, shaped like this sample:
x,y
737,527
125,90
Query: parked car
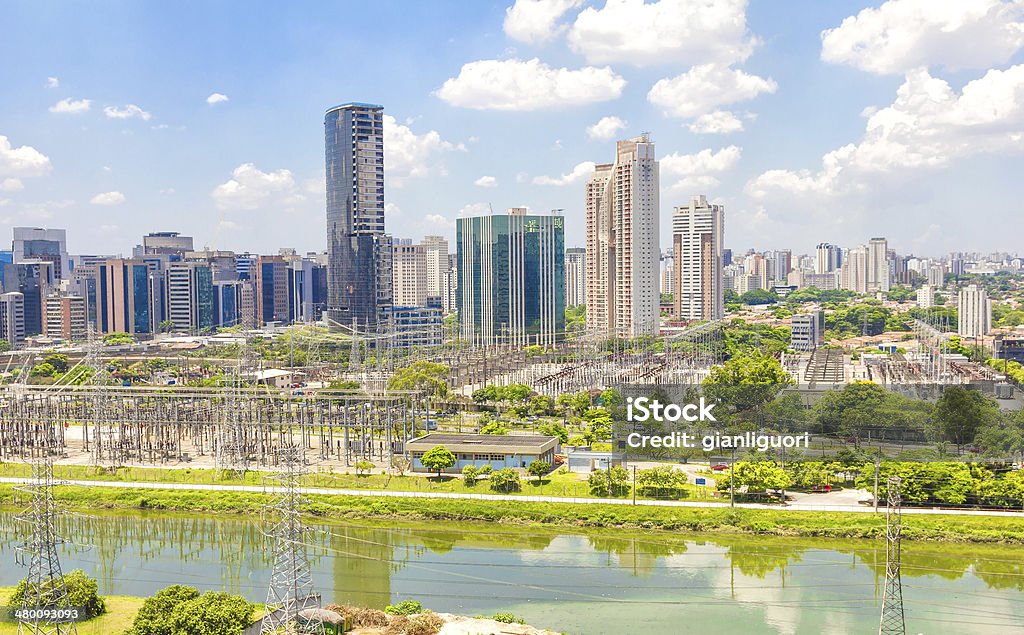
x,y
718,467
821,489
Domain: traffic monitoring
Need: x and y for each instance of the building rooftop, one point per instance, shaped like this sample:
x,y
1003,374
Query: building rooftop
x,y
354,104
485,443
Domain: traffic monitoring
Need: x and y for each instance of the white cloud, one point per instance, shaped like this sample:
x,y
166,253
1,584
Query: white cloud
x,y
705,161
696,184
71,106
437,219
928,125
409,155
702,89
216,98
474,209
107,198
45,210
52,82
249,187
581,171
666,32
528,85
167,190
128,112
390,209
11,185
717,122
902,35
22,161
486,181
606,128
534,21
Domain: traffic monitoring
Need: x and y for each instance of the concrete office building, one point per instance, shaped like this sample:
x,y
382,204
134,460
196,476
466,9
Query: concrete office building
x,y
698,230
511,278
163,243
271,288
807,331
436,255
623,244
416,326
125,298
49,245
575,276
974,312
359,283
307,290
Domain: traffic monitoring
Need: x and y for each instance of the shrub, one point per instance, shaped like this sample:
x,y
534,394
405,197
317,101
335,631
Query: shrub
x,y
360,616
363,467
82,592
181,610
405,607
470,473
423,624
507,618
505,480
486,469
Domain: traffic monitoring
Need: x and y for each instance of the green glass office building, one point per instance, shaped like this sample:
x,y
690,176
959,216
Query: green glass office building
x,y
511,271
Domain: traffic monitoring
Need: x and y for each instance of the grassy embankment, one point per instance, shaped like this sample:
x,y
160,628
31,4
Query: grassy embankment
x,y
950,528
118,618
554,484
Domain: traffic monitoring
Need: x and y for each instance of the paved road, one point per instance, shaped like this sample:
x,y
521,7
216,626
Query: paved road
x,y
803,506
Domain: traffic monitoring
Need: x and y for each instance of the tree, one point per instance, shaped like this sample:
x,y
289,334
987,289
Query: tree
x,y
658,480
83,592
59,362
117,338
555,429
746,381
4,346
516,392
166,326
496,428
153,617
542,405
961,412
43,370
539,469
610,482
505,480
438,458
487,393
759,296
759,477
363,467
470,474
574,403
212,613
428,377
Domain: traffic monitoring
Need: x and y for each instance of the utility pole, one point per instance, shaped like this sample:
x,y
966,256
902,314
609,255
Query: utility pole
x,y
44,587
634,485
732,480
892,622
290,595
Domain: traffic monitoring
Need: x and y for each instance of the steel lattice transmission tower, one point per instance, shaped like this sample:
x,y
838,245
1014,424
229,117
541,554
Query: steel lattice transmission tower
x,y
892,601
291,583
45,582
232,452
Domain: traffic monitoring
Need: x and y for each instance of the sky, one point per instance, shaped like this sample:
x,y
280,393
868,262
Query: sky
x,y
810,121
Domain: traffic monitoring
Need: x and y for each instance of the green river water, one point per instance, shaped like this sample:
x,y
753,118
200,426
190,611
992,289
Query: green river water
x,y
600,581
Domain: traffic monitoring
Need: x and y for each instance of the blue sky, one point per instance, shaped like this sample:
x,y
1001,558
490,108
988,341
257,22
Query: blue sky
x,y
901,118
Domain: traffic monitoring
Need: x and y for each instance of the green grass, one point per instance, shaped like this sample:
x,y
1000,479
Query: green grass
x,y
555,484
948,528
118,618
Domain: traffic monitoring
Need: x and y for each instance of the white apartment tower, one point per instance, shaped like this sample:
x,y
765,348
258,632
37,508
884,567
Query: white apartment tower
x,y
436,255
409,273
878,265
926,297
828,258
697,233
622,215
853,275
575,276
974,310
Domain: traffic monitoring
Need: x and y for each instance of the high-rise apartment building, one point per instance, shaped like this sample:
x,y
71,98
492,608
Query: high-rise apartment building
x,y
511,278
926,297
974,312
66,318
622,216
878,271
450,285
828,258
575,276
359,277
936,276
436,255
12,318
781,265
854,273
807,331
698,230
49,245
409,273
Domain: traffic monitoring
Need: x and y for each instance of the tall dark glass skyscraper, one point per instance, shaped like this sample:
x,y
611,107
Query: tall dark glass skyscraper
x,y
358,250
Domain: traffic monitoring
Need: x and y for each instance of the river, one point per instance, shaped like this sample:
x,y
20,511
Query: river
x,y
599,581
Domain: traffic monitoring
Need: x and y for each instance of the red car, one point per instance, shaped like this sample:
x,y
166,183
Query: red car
x,y
718,467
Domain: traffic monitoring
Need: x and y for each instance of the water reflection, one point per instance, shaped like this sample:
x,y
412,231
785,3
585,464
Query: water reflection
x,y
595,581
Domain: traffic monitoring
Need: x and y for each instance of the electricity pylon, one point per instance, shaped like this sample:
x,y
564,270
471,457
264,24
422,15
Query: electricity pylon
x,y
233,442
44,588
892,622
291,583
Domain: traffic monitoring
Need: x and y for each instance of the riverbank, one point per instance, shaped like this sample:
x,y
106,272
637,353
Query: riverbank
x,y
771,522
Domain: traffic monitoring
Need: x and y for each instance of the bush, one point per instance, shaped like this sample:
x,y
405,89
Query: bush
x,y
486,469
505,480
82,592
360,616
363,468
507,618
405,607
181,610
470,473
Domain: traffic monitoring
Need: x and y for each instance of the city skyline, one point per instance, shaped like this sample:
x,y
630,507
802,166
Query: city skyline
x,y
228,147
